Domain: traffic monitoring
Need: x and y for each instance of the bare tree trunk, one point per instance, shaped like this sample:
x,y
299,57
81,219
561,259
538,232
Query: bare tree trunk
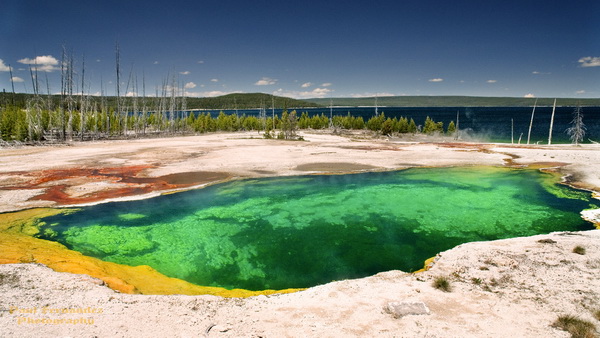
x,y
551,123
144,106
118,66
104,109
82,104
183,109
49,106
577,129
531,123
12,83
512,131
62,125
70,99
172,106
457,126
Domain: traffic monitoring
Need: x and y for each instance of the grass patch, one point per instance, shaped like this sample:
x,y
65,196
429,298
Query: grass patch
x,y
578,328
579,250
442,283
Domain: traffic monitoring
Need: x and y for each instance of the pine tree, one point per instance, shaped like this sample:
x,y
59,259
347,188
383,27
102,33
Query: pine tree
x,y
451,128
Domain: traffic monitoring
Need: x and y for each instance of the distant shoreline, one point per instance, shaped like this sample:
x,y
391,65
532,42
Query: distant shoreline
x,y
245,101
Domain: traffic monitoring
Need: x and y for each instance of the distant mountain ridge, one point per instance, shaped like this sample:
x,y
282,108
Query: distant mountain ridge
x,y
229,101
451,101
267,101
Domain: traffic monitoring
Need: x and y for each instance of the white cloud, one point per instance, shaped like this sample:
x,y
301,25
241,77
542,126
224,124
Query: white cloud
x,y
491,81
44,63
200,61
326,84
3,67
187,72
265,81
436,80
535,72
580,92
590,61
529,95
306,85
190,85
214,80
317,92
372,95
40,60
214,93
131,94
17,79
155,62
209,93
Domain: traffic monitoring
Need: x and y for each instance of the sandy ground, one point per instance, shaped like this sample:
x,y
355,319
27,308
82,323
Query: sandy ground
x,y
515,287
508,288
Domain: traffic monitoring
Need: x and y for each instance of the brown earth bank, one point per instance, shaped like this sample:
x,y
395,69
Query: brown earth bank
x,y
95,172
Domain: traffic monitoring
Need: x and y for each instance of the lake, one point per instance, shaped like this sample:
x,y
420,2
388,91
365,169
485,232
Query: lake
x,y
490,124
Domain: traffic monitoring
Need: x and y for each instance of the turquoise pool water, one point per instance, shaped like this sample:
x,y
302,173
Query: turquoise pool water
x,y
303,231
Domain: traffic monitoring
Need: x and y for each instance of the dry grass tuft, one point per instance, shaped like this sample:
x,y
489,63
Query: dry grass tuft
x,y
579,250
442,283
578,328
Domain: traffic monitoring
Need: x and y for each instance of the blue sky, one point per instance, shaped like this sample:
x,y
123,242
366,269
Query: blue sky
x,y
308,49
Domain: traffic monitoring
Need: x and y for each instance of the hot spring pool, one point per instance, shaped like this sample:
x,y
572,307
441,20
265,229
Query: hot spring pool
x,y
296,232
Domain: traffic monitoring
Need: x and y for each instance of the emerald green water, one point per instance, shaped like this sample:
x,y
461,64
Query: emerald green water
x,y
303,231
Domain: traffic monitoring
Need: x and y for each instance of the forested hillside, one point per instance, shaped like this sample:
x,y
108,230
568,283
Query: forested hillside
x,y
230,101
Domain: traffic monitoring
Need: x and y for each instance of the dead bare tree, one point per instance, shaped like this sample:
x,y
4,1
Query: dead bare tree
x,y
172,106
82,102
34,109
577,130
144,104
531,123
62,125
551,123
69,83
12,83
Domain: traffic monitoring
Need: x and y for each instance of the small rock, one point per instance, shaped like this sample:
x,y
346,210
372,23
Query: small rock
x,y
220,328
401,309
216,328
